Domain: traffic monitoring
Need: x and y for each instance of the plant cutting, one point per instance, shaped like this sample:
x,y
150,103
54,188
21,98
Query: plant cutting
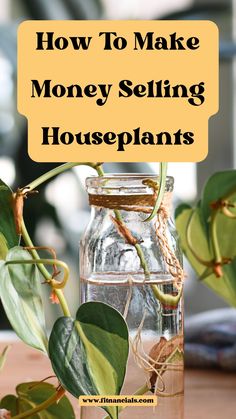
x,y
130,258
89,351
207,233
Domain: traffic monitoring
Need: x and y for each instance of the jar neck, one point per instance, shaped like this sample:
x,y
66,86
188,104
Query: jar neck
x,y
129,192
137,203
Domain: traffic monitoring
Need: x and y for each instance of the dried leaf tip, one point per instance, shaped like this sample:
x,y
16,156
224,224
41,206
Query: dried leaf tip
x,y
54,299
18,205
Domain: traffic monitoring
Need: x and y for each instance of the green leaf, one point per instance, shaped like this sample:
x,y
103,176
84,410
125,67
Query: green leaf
x,y
89,354
32,394
225,286
221,185
3,247
197,235
3,357
180,209
226,233
8,235
20,292
217,186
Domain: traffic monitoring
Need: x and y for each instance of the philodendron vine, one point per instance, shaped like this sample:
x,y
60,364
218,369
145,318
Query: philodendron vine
x,y
77,347
208,232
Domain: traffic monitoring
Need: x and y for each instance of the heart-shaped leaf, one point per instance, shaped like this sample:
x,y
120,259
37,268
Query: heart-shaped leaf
x,y
20,292
89,354
30,395
8,236
226,285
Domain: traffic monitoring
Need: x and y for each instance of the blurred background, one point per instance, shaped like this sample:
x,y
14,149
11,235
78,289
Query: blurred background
x,y
58,216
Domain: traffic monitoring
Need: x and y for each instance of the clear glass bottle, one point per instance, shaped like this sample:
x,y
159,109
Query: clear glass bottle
x,y
136,267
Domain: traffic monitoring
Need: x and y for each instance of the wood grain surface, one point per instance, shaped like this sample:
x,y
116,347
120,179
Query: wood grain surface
x,y
208,394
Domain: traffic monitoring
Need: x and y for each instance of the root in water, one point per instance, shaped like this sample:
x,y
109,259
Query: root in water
x,y
166,355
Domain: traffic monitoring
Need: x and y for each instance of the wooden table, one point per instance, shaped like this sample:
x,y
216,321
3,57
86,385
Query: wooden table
x,y
209,394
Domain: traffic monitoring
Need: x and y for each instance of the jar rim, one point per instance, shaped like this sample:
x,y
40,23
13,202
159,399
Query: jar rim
x,y
125,183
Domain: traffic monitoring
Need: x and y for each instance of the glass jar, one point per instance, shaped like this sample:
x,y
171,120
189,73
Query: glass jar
x,y
136,267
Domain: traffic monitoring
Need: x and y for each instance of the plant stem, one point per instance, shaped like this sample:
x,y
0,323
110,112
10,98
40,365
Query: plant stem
x,y
213,227
214,238
141,391
161,191
228,213
166,299
3,356
99,170
53,399
207,272
217,257
44,271
143,261
55,284
56,171
207,263
137,246
163,298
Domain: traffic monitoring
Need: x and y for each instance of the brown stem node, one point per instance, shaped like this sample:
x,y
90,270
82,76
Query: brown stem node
x,y
18,206
220,204
216,205
60,392
217,269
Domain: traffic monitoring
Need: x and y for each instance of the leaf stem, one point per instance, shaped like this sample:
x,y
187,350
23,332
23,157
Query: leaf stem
x,y
208,263
3,356
99,169
167,299
141,391
161,191
207,272
55,284
214,238
226,211
212,266
44,271
162,297
143,261
213,227
56,171
53,399
137,246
